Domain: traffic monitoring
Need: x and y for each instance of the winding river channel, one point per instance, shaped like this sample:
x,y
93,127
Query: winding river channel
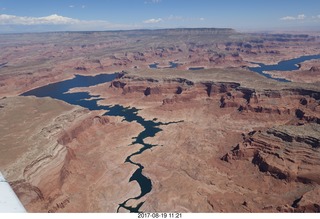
x,y
58,91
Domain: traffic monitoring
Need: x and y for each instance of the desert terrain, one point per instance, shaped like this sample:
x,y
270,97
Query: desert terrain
x,y
32,60
227,139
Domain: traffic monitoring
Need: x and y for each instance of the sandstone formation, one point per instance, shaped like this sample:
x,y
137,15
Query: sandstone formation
x,y
67,158
32,60
287,153
236,141
189,172
216,117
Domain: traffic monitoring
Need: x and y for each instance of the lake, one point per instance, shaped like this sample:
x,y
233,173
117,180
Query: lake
x,y
287,65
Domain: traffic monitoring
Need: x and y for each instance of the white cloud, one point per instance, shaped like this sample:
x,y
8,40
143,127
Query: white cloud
x,y
174,20
71,6
291,18
288,18
51,19
83,6
56,22
153,21
301,17
152,1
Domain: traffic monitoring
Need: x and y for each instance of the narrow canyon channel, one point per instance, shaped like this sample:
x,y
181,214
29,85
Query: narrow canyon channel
x,y
58,91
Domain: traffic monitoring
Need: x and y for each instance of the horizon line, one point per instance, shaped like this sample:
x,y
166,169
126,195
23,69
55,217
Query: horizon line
x,y
239,30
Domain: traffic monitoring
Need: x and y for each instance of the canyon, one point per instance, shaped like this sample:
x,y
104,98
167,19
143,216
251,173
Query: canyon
x,y
227,140
33,60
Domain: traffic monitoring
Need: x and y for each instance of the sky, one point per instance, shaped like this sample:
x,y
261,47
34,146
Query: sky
x,y
100,15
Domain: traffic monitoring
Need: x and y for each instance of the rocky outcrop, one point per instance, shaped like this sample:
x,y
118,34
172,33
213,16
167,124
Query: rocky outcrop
x,y
304,92
307,203
314,69
288,152
74,131
299,104
64,154
219,87
118,84
48,172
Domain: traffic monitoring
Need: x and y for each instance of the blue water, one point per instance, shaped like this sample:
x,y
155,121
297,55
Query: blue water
x,y
57,91
3,64
196,68
154,65
287,65
171,65
174,65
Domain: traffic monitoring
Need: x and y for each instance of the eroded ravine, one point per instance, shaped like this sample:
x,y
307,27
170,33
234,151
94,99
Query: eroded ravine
x,y
59,91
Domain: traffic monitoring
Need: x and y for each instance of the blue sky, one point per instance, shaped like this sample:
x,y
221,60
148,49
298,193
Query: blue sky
x,y
53,15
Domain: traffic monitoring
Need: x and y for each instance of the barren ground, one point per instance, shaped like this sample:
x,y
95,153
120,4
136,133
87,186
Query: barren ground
x,y
244,144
